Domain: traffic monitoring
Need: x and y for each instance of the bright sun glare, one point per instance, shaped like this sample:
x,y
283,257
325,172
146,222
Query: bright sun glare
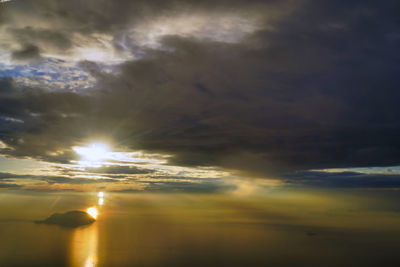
x,y
93,153
92,212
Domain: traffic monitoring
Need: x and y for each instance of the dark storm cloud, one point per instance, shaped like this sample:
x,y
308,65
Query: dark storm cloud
x,y
44,37
51,24
344,180
319,89
312,96
188,187
104,15
118,170
49,121
28,52
183,187
5,176
9,186
66,180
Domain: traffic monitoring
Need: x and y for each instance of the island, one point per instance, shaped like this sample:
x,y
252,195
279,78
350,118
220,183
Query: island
x,y
70,219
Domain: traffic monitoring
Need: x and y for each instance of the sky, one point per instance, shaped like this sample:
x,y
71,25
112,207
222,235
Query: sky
x,y
199,96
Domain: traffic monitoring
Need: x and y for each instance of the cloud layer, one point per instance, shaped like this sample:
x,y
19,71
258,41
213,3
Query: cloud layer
x,y
260,87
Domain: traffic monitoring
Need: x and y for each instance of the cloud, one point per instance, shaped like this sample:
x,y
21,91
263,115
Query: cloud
x,y
314,89
47,38
344,180
53,179
66,29
44,114
28,52
75,180
204,186
9,186
118,170
7,175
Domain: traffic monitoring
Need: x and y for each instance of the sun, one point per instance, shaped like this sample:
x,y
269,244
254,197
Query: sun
x,y
92,212
96,152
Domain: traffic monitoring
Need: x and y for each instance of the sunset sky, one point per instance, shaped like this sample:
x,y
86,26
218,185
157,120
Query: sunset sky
x,y
199,133
199,96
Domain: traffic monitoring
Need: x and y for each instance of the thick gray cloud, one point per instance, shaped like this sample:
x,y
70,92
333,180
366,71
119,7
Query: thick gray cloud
x,y
39,122
45,37
118,170
316,89
28,52
66,180
184,187
57,26
9,186
344,180
5,176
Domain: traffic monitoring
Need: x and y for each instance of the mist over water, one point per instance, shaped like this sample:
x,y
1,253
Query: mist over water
x,y
296,229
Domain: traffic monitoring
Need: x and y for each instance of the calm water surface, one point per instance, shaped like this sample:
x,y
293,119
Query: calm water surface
x,y
201,230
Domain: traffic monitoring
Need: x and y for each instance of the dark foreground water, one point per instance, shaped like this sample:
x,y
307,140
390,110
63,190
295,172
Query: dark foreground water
x,y
202,230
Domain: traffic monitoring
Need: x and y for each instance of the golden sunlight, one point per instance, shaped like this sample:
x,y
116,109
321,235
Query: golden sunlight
x,y
84,247
93,153
92,212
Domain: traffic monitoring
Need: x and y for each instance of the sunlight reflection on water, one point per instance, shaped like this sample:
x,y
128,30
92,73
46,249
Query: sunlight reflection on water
x,y
84,247
84,244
